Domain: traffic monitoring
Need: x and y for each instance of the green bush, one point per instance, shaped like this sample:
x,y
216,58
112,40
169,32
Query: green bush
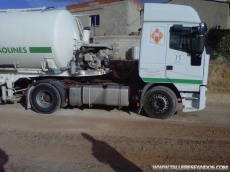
x,y
219,40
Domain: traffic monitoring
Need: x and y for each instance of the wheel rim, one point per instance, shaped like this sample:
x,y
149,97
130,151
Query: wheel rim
x,y
159,103
44,99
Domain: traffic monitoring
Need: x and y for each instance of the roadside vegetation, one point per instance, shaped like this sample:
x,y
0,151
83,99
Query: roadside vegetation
x,y
219,41
219,68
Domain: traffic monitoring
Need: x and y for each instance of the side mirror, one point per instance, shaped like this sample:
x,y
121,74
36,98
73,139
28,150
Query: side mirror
x,y
202,28
198,41
198,45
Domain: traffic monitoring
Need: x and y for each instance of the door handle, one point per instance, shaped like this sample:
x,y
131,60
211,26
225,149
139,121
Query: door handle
x,y
169,67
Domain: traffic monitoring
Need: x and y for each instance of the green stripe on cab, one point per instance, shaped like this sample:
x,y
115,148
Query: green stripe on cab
x,y
175,81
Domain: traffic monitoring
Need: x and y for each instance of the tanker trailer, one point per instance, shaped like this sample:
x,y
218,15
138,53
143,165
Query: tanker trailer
x,y
45,39
42,46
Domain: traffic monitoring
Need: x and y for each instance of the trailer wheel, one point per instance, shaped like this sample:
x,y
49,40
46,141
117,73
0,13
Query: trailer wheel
x,y
45,98
160,102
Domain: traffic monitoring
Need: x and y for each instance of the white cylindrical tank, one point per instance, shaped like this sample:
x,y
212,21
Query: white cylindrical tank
x,y
29,38
86,35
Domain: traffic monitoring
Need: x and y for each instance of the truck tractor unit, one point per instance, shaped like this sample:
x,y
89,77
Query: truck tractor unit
x,y
46,56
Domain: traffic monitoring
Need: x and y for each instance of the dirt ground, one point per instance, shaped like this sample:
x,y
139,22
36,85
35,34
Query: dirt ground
x,y
108,139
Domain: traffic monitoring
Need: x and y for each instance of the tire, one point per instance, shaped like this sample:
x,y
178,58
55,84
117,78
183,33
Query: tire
x,y
160,102
45,99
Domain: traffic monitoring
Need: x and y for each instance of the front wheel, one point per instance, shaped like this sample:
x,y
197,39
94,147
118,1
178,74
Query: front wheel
x,y
160,102
45,98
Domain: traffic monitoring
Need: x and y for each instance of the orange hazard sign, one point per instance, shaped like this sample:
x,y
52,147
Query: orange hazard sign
x,y
157,36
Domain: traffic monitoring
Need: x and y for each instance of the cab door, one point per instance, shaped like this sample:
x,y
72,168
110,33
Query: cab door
x,y
182,67
153,52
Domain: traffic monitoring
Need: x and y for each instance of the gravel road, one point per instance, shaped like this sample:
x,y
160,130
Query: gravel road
x,y
108,139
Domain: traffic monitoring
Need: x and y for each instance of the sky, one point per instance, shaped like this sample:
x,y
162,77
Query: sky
x,y
57,4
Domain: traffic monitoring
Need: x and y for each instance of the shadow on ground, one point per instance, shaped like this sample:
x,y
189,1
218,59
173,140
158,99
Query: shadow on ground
x,y
3,160
129,109
22,101
106,154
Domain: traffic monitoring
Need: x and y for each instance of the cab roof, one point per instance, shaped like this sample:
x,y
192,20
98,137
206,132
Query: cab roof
x,y
170,13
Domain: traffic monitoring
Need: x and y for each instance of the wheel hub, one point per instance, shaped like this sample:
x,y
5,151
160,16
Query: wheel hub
x,y
159,103
44,99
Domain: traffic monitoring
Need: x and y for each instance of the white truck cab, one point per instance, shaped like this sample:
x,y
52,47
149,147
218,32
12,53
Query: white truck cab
x,y
172,53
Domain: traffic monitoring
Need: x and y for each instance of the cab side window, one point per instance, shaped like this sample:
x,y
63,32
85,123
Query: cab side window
x,y
180,40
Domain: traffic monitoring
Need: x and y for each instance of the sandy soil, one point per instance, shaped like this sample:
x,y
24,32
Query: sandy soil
x,y
219,77
107,139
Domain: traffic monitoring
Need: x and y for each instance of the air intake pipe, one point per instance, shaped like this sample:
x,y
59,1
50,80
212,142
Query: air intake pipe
x,y
86,35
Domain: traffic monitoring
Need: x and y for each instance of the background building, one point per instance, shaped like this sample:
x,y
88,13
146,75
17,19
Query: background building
x,y
109,17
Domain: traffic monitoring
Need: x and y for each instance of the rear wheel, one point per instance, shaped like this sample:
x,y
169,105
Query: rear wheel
x,y
45,98
160,102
